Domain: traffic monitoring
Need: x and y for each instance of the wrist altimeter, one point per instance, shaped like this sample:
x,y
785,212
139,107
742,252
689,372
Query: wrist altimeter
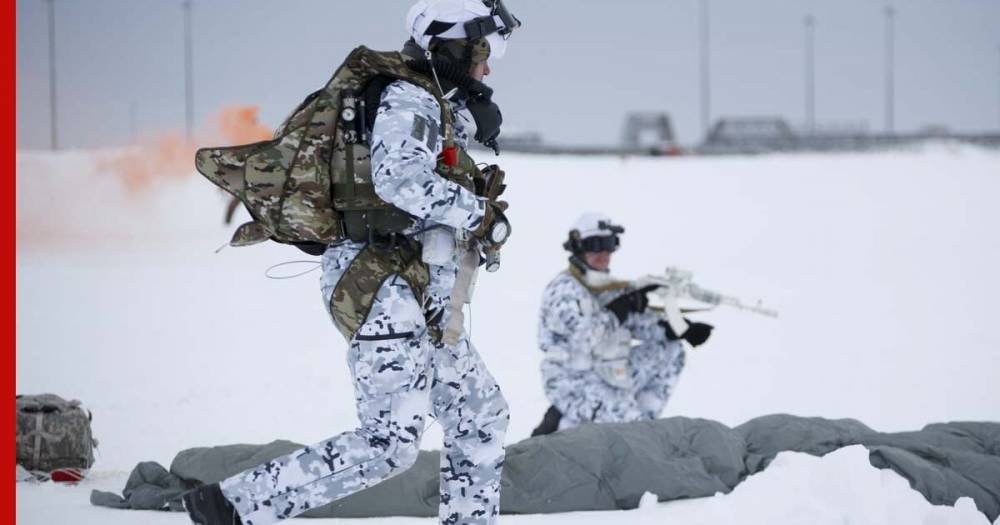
x,y
498,232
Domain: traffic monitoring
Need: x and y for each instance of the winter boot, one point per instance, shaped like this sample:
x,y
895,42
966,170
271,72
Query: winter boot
x,y
207,506
550,422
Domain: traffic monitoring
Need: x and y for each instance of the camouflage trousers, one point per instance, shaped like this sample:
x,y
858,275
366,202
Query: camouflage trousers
x,y
400,377
583,397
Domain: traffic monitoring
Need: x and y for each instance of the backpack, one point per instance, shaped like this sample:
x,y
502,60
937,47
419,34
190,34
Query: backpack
x,y
312,182
53,434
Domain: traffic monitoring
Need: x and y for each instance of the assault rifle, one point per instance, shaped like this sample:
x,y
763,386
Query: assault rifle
x,y
676,283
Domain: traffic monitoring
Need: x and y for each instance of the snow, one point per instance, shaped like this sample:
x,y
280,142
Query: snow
x,y
881,264
841,487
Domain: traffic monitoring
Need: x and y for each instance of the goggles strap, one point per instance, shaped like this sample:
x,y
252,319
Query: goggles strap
x,y
483,26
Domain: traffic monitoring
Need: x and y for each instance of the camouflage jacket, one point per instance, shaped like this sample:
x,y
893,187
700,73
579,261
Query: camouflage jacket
x,y
406,141
405,145
593,370
575,329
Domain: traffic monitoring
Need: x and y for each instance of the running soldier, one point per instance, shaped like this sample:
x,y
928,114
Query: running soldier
x,y
409,355
592,371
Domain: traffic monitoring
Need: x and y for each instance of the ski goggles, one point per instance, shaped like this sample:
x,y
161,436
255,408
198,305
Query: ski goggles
x,y
601,243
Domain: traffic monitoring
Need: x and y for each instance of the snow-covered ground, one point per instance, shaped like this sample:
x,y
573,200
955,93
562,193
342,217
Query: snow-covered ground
x,y
797,489
882,265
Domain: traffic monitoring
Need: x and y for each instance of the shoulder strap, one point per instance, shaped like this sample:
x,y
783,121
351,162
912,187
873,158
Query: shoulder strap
x,y
364,64
611,285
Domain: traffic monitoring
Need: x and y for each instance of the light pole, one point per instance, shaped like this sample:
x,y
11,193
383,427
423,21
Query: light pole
x,y
810,75
53,109
132,121
705,77
890,14
188,73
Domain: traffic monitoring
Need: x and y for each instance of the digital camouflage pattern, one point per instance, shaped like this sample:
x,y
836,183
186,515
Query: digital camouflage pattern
x,y
405,160
401,375
53,433
581,340
317,164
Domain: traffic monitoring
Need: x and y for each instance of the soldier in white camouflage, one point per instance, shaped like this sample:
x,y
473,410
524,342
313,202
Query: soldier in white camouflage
x,y
608,358
410,358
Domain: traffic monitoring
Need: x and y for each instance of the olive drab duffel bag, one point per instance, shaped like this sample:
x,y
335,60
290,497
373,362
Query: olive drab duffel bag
x,y
53,435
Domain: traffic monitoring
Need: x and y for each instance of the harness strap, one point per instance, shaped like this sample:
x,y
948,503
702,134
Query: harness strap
x,y
610,285
36,458
354,295
460,296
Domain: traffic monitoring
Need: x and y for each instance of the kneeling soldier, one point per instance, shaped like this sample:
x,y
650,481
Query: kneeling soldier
x,y
592,370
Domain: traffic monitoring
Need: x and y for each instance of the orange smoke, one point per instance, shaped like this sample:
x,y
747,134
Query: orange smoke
x,y
142,165
170,156
239,125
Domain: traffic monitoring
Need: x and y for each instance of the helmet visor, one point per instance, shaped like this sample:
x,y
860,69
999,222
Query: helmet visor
x,y
498,45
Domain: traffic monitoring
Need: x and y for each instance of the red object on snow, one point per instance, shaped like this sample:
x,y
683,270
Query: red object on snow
x,y
67,475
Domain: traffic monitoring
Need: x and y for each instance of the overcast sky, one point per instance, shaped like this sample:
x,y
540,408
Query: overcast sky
x,y
570,73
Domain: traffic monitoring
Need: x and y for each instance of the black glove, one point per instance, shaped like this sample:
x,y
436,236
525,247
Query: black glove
x,y
488,120
631,302
696,334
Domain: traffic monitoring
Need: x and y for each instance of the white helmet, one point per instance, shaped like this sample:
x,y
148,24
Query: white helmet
x,y
593,224
455,19
597,227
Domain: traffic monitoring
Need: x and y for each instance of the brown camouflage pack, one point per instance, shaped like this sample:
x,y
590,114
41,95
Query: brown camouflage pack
x,y
53,433
297,185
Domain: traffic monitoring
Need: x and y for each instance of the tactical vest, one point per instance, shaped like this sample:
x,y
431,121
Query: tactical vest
x,y
312,182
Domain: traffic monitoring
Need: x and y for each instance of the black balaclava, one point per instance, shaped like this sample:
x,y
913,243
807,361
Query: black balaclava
x,y
453,59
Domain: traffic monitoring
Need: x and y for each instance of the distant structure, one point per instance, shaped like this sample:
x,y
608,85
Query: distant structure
x,y
649,132
524,142
752,135
810,73
53,100
188,73
749,135
890,73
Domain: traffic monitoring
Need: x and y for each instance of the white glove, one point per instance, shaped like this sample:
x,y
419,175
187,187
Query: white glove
x,y
611,359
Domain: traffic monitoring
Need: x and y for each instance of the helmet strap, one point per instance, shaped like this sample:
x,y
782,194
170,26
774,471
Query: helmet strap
x,y
437,81
578,262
